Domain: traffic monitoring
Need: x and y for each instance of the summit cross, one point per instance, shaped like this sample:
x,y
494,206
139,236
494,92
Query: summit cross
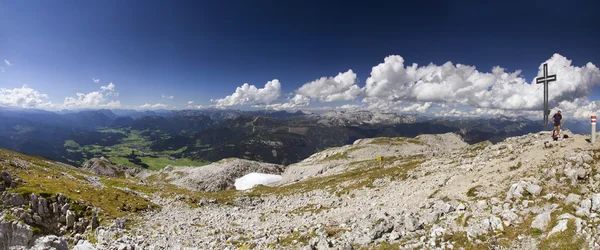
x,y
545,80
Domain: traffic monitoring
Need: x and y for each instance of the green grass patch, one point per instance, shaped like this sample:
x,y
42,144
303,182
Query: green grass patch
x,y
566,240
162,162
71,144
473,191
395,141
336,156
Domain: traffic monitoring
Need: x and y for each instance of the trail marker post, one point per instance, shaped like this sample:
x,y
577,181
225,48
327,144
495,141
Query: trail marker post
x,y
545,80
593,139
380,160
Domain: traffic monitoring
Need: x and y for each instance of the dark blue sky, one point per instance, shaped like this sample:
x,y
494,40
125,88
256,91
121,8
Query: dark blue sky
x,y
198,50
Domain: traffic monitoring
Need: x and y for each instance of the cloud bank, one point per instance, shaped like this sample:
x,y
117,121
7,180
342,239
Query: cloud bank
x,y
251,95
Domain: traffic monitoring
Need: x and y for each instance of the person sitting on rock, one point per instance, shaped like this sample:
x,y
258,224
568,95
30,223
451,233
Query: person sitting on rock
x,y
557,120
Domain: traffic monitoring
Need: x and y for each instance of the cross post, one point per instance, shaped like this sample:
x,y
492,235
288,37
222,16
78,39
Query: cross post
x,y
545,80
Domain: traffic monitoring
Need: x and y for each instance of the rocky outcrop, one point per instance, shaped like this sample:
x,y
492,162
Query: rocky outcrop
x,y
50,242
14,234
217,176
102,166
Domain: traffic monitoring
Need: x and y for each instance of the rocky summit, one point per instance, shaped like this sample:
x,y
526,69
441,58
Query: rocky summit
x,y
427,192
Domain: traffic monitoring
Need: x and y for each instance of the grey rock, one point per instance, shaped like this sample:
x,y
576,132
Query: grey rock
x,y
94,223
516,190
50,242
587,158
6,178
534,190
560,227
33,202
14,234
70,218
496,224
510,217
16,200
64,209
102,166
541,221
411,223
572,199
42,208
586,205
383,227
596,202
84,245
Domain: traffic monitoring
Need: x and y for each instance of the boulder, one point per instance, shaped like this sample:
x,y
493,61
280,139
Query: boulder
x,y
50,242
572,199
411,223
534,190
13,234
541,221
496,224
84,245
70,218
596,202
560,227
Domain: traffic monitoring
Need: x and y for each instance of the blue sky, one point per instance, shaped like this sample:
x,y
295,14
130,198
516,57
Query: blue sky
x,y
203,50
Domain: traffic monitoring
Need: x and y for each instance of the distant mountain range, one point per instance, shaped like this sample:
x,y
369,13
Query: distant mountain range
x,y
211,135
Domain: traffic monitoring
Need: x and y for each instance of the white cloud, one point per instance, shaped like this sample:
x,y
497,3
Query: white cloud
x,y
195,106
95,99
167,97
392,81
109,87
154,106
190,102
250,95
7,62
351,107
330,89
24,97
294,103
95,80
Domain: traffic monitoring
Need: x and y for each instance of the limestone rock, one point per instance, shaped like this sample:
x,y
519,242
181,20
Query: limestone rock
x,y
84,245
534,190
596,202
572,199
496,224
541,221
560,227
411,223
14,234
70,218
50,242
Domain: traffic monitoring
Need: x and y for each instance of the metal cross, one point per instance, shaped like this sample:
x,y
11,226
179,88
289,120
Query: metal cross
x,y
545,80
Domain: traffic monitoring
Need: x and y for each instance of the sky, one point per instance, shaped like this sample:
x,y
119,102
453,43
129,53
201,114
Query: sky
x,y
466,58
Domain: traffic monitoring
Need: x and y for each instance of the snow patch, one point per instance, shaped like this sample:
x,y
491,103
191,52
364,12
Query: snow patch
x,y
252,179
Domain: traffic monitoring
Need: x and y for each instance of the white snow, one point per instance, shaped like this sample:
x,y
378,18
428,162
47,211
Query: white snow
x,y
252,179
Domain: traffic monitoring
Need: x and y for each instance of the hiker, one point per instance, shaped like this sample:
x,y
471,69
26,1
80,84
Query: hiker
x,y
557,120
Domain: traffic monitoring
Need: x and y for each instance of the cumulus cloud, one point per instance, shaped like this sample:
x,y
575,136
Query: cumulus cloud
x,y
170,97
109,87
90,100
7,62
330,89
392,81
190,102
24,97
95,80
294,103
95,99
251,95
154,106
